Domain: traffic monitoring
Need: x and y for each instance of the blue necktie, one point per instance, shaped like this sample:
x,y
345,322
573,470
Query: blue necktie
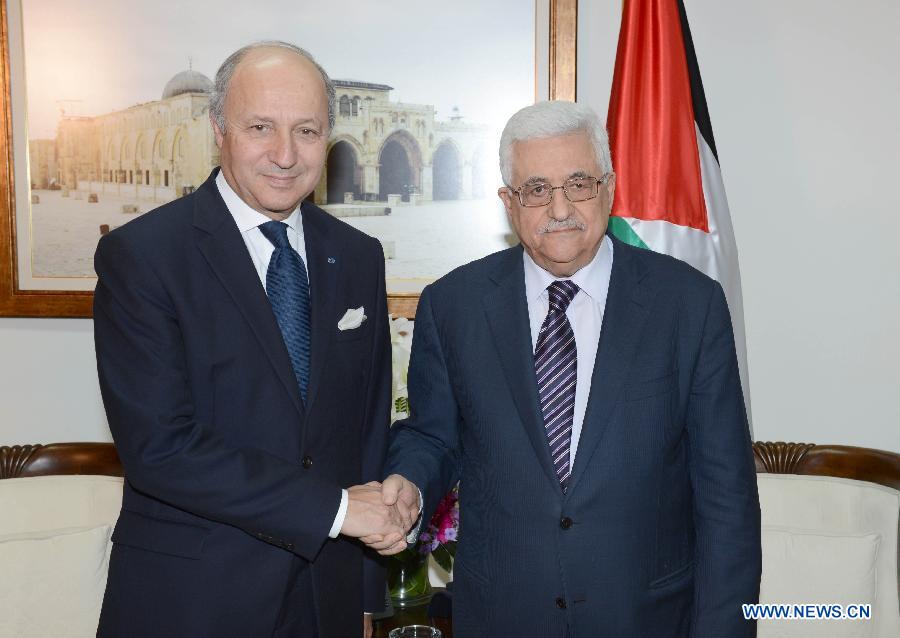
x,y
288,289
556,367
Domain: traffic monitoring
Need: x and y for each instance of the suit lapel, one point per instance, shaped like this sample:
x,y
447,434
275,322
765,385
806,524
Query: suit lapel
x,y
507,314
627,308
221,244
323,262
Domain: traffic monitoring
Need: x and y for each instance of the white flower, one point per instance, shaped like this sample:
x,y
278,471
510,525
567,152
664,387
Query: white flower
x,y
401,345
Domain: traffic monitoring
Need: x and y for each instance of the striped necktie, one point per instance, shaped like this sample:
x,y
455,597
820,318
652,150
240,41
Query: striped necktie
x,y
556,366
287,286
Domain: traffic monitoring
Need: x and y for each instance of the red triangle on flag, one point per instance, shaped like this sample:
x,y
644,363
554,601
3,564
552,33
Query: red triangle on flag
x,y
652,134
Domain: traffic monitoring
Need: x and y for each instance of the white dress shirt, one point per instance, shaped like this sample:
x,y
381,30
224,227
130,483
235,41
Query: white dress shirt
x,y
248,222
585,314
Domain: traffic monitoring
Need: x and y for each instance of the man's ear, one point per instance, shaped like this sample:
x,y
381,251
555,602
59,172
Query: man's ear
x,y
218,133
611,186
506,195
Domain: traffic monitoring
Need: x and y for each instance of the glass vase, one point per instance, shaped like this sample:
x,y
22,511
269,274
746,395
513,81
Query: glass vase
x,y
408,579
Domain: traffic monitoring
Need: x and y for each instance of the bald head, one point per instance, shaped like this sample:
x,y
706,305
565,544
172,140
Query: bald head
x,y
267,49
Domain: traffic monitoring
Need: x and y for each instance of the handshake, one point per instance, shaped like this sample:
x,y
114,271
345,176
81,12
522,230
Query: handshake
x,y
381,515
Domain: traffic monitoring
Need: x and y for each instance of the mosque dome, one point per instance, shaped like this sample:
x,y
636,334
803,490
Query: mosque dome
x,y
187,82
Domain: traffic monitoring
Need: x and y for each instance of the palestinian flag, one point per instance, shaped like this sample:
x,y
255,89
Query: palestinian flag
x,y
669,192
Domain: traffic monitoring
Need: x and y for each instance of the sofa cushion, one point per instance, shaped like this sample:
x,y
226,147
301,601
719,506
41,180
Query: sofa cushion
x,y
53,582
802,567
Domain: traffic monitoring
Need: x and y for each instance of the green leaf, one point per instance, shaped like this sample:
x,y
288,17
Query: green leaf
x,y
444,558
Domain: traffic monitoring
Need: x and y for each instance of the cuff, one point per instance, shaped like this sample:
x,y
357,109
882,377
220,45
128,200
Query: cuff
x,y
414,532
340,516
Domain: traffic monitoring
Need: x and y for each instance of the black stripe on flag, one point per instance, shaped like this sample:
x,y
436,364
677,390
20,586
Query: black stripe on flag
x,y
701,112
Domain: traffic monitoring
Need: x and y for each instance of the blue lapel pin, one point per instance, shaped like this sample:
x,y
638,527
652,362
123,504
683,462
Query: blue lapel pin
x,y
331,260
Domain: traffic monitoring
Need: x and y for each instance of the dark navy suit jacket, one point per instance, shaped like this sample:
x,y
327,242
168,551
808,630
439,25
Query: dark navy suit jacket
x,y
658,534
231,483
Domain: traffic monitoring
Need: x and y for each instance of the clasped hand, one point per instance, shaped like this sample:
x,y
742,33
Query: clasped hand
x,y
382,514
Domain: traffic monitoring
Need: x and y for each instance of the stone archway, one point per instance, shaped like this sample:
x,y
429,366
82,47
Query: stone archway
x,y
341,173
446,173
400,166
177,155
140,159
112,162
159,158
127,162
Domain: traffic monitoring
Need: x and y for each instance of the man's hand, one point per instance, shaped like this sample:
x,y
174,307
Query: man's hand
x,y
397,492
367,516
367,626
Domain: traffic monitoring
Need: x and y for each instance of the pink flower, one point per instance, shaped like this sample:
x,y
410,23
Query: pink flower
x,y
444,525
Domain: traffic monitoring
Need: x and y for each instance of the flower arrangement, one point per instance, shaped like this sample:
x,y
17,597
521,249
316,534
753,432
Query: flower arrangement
x,y
439,538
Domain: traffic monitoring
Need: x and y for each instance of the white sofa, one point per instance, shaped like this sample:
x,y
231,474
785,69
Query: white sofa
x,y
829,540
826,539
54,538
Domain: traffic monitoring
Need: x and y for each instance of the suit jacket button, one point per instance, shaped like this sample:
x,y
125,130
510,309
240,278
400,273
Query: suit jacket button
x,y
560,603
565,522
306,462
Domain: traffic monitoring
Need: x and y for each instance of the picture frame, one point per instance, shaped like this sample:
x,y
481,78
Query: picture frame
x,y
19,301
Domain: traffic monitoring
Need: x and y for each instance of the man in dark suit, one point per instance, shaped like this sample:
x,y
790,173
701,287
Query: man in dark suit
x,y
244,361
586,396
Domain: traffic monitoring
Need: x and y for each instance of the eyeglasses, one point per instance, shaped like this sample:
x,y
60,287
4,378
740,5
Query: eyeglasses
x,y
577,189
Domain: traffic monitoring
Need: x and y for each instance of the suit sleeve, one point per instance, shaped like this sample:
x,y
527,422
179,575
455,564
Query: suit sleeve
x,y
166,451
375,427
723,479
424,448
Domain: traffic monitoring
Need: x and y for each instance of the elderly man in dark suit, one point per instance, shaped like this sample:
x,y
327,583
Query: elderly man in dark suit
x,y
586,396
244,360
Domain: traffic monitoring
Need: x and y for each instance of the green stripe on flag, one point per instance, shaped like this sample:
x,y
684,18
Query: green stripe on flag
x,y
623,231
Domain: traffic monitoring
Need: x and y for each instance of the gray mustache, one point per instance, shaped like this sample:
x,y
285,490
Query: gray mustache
x,y
566,224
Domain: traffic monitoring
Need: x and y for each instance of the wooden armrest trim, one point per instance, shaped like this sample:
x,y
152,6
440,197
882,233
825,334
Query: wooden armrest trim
x,y
842,461
59,458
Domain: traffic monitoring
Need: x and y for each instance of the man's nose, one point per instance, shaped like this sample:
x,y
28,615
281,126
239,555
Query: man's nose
x,y
284,150
560,207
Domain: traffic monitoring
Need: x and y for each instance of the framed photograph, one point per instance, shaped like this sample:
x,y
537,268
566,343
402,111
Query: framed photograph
x,y
104,109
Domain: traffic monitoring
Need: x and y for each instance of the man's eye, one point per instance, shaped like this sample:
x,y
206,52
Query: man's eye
x,y
538,189
308,132
577,184
259,128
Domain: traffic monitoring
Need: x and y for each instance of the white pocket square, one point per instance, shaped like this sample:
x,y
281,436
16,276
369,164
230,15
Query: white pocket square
x,y
353,318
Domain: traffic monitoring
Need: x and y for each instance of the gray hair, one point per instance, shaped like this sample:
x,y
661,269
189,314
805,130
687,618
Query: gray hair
x,y
549,119
223,78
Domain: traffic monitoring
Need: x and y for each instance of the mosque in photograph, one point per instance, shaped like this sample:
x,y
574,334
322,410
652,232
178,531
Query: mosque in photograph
x,y
157,151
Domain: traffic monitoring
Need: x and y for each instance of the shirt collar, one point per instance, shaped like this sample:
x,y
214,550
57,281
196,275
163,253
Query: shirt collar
x,y
245,217
592,279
